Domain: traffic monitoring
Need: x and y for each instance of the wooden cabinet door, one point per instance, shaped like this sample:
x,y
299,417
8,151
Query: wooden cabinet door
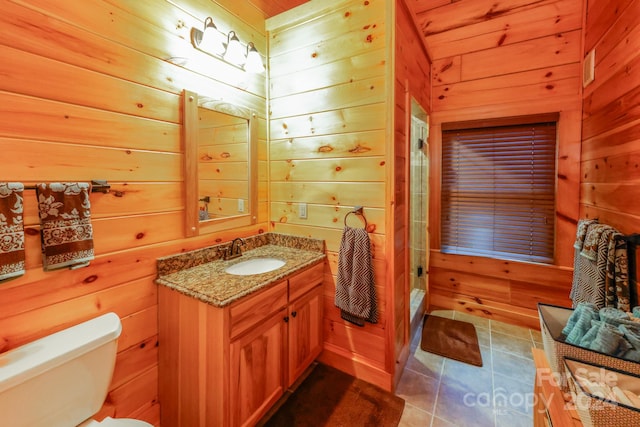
x,y
257,370
305,332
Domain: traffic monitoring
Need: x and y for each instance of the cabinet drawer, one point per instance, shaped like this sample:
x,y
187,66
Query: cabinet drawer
x,y
305,281
254,309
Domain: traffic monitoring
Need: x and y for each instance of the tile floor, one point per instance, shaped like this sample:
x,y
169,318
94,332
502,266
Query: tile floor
x,y
442,392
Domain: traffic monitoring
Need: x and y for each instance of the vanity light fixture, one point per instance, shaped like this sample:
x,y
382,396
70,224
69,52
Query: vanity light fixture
x,y
254,61
228,48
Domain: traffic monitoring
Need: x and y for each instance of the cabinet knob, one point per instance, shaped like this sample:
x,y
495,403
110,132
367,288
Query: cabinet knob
x,y
286,319
294,313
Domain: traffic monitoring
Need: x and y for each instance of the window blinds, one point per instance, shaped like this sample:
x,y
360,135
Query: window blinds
x,y
498,191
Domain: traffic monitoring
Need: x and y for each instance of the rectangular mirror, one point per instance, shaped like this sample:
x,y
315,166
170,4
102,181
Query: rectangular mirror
x,y
220,164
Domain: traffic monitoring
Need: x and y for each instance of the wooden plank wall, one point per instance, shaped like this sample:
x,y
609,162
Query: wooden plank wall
x,y
610,178
495,60
89,90
412,79
329,106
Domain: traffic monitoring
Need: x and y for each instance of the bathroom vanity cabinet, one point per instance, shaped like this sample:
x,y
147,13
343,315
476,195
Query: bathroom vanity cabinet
x,y
226,366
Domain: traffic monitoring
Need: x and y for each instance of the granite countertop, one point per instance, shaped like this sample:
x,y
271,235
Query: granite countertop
x,y
208,281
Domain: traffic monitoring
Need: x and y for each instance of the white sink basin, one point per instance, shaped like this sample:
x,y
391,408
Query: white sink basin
x,y
254,266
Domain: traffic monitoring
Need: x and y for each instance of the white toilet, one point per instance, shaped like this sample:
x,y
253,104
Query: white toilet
x,y
62,380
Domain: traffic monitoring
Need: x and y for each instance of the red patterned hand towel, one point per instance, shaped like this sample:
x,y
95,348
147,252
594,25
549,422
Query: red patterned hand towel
x,y
65,225
11,231
355,285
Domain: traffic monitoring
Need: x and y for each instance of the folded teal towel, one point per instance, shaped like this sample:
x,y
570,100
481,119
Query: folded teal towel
x,y
573,319
632,334
636,311
590,335
609,340
613,316
607,330
623,347
580,323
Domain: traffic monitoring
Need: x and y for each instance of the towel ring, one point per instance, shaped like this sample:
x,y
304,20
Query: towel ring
x,y
357,211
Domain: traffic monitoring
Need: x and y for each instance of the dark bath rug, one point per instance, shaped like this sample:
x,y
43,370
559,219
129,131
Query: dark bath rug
x,y
450,338
329,397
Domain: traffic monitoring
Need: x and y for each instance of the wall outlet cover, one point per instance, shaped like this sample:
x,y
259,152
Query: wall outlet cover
x,y
240,205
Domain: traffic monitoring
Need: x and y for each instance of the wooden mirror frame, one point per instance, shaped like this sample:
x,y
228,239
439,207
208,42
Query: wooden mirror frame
x,y
193,226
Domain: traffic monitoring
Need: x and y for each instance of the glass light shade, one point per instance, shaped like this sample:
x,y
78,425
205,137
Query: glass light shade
x,y
234,53
254,61
212,39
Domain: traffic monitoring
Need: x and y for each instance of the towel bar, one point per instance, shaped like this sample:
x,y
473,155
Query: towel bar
x,y
97,186
634,239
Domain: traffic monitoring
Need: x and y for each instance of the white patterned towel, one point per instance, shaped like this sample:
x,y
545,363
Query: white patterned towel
x,y
355,285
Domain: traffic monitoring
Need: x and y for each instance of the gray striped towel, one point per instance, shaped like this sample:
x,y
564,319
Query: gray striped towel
x,y
589,280
600,273
577,287
355,285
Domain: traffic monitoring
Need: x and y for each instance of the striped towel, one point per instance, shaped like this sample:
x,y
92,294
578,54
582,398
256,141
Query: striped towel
x,y
579,277
600,273
355,285
11,231
589,280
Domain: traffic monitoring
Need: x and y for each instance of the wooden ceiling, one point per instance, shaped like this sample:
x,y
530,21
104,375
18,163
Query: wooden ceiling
x,y
274,7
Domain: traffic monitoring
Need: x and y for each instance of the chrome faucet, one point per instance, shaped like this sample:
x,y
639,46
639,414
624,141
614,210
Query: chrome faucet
x,y
234,250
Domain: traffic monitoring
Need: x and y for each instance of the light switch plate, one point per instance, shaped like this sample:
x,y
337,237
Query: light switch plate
x,y
240,205
302,210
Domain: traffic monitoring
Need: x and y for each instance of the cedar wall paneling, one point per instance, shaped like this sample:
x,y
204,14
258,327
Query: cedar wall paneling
x,y
329,106
412,79
493,60
88,91
610,177
338,129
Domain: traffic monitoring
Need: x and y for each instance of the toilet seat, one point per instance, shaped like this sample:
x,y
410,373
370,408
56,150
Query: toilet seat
x,y
123,422
116,422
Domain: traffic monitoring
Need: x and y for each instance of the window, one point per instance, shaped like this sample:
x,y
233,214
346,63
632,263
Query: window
x,y
498,190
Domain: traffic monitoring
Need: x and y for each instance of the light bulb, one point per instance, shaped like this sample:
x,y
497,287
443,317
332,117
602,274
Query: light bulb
x,y
212,40
234,53
254,61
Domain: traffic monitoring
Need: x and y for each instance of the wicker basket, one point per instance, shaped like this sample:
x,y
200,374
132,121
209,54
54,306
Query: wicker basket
x,y
552,320
597,411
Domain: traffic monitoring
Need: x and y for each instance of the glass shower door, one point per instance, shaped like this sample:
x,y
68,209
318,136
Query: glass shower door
x,y
418,213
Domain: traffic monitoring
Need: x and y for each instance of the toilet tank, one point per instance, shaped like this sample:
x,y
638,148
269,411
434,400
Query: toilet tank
x,y
62,379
